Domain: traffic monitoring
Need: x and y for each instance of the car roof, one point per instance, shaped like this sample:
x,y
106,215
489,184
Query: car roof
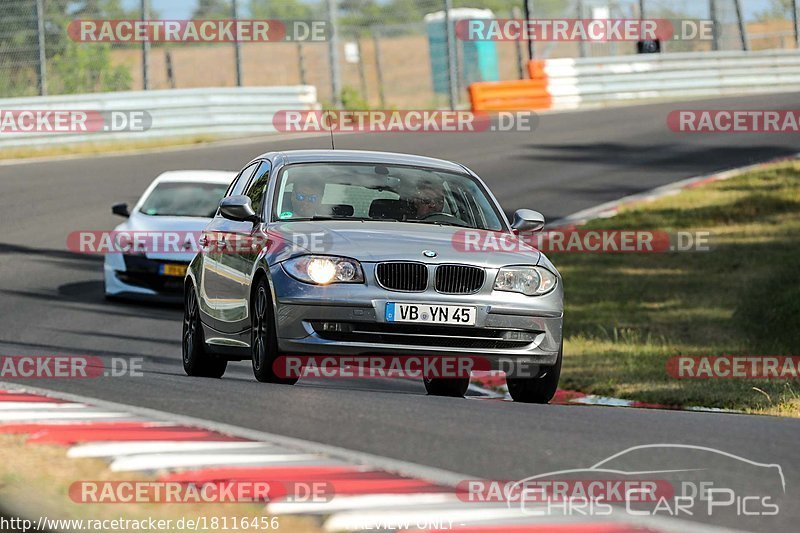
x,y
197,176
364,156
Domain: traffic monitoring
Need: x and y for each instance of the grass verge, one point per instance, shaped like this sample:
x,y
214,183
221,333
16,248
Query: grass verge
x,y
627,314
35,481
32,152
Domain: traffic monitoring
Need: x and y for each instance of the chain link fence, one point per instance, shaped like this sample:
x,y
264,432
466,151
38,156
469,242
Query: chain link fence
x,y
384,53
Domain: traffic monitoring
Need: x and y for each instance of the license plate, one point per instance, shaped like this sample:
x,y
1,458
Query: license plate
x,y
172,270
431,314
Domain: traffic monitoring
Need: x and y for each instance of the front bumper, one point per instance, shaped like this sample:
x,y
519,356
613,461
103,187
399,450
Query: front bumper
x,y
509,327
137,277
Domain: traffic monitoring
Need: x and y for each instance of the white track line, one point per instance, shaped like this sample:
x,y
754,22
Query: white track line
x,y
42,416
38,406
358,520
157,461
119,449
364,502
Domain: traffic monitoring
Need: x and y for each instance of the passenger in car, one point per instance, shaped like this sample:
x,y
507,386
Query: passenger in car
x,y
428,199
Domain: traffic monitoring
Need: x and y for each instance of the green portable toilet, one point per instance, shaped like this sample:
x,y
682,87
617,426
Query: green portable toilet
x,y
477,60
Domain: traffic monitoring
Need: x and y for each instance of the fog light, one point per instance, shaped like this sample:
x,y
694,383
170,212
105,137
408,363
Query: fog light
x,y
518,336
336,327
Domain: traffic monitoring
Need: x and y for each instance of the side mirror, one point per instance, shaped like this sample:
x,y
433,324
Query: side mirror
x,y
238,208
121,210
528,220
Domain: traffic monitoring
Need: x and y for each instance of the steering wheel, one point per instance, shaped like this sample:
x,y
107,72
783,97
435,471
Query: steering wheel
x,y
445,215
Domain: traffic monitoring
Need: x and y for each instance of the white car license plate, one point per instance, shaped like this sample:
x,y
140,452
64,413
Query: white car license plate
x,y
431,314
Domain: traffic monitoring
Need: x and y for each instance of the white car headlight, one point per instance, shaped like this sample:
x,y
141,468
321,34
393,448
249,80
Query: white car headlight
x,y
531,281
324,270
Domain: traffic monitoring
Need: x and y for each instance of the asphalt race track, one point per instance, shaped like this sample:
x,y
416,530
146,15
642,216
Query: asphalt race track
x,y
52,300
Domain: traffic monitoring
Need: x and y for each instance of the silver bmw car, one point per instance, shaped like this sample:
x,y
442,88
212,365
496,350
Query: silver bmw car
x,y
372,254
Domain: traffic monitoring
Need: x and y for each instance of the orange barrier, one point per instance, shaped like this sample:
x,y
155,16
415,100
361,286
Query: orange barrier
x,y
536,69
514,95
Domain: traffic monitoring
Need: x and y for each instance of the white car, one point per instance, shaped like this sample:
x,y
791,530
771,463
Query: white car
x,y
177,205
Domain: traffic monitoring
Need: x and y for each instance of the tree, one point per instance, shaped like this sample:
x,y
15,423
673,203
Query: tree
x,y
19,47
213,9
282,10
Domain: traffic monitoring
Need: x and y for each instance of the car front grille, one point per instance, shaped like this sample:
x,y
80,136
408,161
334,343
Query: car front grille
x,y
424,335
407,277
459,279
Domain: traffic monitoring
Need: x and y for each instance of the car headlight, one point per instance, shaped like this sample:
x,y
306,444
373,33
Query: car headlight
x,y
531,281
324,270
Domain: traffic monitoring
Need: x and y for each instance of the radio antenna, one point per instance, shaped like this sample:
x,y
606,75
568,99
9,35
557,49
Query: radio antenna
x,y
330,129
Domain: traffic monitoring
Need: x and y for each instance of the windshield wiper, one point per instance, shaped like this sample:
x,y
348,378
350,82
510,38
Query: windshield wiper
x,y
356,219
439,223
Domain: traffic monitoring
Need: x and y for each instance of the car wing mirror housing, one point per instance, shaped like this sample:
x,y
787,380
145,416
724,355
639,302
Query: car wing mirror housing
x,y
527,220
238,208
121,210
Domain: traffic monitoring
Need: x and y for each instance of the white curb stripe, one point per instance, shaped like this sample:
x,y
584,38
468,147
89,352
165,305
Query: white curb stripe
x,y
42,416
38,406
366,502
138,447
158,461
356,521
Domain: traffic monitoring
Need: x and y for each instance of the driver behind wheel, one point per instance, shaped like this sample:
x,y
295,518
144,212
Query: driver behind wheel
x,y
428,200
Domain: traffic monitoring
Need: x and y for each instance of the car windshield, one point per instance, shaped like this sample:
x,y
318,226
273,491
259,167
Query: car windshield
x,y
349,191
184,199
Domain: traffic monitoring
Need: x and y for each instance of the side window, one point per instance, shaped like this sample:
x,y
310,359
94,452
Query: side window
x,y
241,180
258,188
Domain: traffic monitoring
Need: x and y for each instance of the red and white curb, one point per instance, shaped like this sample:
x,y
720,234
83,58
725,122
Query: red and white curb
x,y
610,209
493,387
369,491
490,386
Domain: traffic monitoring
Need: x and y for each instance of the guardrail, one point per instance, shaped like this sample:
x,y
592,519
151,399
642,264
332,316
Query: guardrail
x,y
227,111
572,83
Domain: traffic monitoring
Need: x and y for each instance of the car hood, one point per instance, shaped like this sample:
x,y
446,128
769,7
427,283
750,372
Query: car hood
x,y
188,229
401,241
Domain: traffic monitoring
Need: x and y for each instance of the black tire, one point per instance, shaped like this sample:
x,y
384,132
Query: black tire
x,y
540,389
263,339
451,387
196,360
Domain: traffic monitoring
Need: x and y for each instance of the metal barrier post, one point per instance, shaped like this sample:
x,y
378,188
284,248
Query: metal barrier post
x,y
712,10
237,45
379,66
796,20
42,44
451,63
742,25
333,55
528,15
145,49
